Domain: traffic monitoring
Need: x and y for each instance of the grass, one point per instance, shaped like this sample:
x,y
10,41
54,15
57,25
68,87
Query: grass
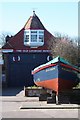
x,y
36,87
33,87
77,87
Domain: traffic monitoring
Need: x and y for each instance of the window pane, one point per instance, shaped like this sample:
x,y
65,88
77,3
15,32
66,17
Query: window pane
x,y
33,31
41,37
33,38
27,38
41,32
27,31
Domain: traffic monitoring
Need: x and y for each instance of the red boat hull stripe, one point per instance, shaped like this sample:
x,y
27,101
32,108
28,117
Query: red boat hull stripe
x,y
56,84
47,66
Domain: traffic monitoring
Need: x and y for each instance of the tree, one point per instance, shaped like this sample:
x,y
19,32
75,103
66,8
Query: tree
x,y
3,38
65,47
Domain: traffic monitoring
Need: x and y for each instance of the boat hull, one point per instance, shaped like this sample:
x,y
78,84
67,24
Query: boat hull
x,y
57,78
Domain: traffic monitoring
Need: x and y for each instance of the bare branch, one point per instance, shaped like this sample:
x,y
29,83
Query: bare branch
x,y
65,47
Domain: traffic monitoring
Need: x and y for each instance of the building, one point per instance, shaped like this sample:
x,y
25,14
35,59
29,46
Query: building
x,y
25,51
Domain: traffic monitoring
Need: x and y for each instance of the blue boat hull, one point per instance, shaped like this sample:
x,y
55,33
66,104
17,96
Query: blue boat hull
x,y
57,77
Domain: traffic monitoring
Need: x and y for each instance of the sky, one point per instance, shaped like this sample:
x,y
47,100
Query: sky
x,y
59,17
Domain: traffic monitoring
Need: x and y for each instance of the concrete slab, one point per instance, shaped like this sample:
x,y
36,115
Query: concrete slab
x,y
11,108
44,105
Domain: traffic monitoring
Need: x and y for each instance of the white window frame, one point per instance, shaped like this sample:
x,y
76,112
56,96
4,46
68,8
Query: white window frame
x,y
37,42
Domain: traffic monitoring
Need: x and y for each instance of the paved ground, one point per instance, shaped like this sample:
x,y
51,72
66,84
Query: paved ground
x,y
44,105
13,99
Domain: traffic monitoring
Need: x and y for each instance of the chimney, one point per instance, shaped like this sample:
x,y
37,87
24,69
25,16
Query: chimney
x,y
33,13
8,38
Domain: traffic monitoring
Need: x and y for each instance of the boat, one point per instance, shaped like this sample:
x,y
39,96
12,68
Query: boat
x,y
57,75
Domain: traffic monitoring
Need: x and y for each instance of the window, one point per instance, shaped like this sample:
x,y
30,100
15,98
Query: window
x,y
41,37
34,32
41,32
27,31
33,38
27,38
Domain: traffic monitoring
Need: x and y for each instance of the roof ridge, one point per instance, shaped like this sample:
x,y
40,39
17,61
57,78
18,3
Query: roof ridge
x,y
27,21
